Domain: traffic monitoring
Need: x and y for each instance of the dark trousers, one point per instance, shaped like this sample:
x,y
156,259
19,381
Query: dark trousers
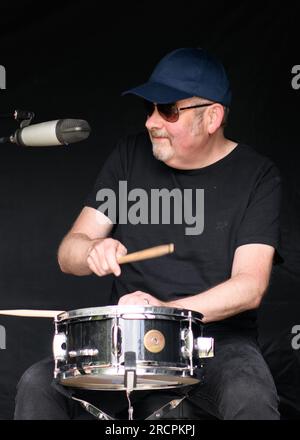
x,y
237,384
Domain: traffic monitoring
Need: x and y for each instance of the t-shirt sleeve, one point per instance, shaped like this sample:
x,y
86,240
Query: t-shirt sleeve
x,y
260,223
104,194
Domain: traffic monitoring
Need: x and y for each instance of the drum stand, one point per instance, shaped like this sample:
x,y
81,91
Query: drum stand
x,y
101,415
130,381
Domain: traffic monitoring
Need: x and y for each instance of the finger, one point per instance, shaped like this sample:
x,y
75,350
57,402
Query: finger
x,y
123,299
99,256
129,298
132,301
97,260
135,298
121,250
111,258
141,293
144,297
93,266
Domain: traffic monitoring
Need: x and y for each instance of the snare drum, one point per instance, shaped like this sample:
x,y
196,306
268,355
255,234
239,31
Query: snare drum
x,y
89,347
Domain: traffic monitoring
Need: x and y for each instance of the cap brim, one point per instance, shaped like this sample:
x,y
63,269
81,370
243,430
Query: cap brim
x,y
158,93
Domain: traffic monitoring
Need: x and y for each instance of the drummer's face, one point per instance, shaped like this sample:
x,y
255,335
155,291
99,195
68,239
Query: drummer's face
x,y
178,143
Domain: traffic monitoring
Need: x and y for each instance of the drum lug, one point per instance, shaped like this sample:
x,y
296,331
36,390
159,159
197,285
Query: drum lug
x,y
188,342
59,346
116,340
187,338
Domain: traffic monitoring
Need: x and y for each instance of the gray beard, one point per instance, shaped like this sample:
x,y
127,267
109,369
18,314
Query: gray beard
x,y
162,152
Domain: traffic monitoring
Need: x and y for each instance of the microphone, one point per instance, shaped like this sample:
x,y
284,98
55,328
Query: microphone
x,y
58,132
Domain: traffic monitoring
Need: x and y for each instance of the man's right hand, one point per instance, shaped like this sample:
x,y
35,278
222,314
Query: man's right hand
x,y
102,256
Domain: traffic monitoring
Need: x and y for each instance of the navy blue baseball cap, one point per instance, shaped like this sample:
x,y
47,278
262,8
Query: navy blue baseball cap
x,y
184,73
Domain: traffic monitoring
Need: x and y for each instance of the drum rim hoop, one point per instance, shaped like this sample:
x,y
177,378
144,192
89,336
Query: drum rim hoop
x,y
150,312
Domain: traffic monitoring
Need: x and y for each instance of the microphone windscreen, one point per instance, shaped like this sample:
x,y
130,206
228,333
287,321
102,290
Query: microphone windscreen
x,y
69,131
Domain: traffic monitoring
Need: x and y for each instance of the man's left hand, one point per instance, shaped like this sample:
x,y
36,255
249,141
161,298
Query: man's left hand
x,y
141,298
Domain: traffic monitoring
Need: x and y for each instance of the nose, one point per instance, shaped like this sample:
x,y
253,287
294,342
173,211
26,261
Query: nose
x,y
154,120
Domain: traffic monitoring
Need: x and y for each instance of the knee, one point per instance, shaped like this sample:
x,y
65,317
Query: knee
x,y
250,401
37,376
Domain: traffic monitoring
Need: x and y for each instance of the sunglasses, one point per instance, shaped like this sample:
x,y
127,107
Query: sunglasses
x,y
169,112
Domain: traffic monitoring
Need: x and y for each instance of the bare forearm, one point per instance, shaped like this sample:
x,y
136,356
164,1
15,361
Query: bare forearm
x,y
235,295
73,253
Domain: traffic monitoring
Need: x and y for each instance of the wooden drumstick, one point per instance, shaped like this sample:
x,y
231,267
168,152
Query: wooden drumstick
x,y
145,254
32,313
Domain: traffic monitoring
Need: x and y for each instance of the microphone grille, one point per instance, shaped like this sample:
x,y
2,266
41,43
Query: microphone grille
x,y
69,131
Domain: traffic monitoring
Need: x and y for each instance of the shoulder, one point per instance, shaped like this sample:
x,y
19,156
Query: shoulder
x,y
255,162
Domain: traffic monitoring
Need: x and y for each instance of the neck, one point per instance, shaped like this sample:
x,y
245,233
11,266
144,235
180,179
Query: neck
x,y
214,149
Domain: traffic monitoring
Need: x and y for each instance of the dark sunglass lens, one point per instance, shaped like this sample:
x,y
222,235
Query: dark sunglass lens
x,y
168,111
149,106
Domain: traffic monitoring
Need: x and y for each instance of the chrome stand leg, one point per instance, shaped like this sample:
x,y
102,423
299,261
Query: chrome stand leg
x,y
165,409
96,412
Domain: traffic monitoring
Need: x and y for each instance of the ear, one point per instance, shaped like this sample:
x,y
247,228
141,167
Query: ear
x,y
215,115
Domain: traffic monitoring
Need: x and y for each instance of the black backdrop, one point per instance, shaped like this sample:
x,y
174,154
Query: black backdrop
x,y
71,59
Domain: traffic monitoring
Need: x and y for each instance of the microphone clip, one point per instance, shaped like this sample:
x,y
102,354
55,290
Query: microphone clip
x,y
24,117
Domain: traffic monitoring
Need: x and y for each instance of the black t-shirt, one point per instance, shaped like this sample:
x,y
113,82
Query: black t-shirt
x,y
235,202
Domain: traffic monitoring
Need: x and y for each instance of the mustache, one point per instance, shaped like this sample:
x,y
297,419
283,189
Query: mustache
x,y
158,133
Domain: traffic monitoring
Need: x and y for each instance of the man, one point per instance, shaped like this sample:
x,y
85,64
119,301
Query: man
x,y
223,254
